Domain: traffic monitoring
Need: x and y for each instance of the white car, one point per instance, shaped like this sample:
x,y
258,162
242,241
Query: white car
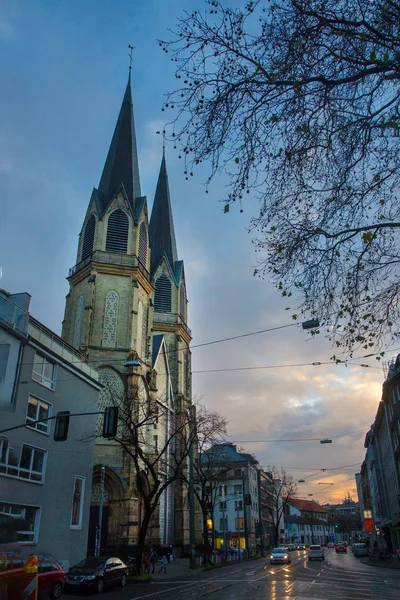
x,y
280,555
316,552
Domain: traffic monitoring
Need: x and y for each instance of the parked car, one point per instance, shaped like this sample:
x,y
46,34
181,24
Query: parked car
x,y
280,555
96,574
315,551
360,550
341,547
51,575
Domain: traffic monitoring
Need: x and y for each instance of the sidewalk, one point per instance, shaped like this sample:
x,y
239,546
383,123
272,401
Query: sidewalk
x,y
381,563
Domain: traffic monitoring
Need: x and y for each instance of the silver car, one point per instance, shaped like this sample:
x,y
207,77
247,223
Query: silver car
x,y
280,555
360,550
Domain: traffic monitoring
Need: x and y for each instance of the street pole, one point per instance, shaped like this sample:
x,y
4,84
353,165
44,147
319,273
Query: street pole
x,y
238,524
224,526
192,529
97,551
245,516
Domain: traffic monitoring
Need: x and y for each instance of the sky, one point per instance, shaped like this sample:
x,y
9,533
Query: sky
x,y
64,67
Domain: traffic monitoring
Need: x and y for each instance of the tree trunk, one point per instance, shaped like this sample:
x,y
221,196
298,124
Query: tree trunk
x,y
276,532
141,541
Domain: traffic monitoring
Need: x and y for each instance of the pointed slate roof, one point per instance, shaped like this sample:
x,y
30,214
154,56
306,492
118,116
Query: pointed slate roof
x,y
162,232
121,166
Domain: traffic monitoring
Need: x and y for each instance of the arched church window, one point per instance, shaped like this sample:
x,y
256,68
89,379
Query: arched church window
x,y
117,232
76,340
88,237
110,395
182,302
143,244
110,319
162,294
139,332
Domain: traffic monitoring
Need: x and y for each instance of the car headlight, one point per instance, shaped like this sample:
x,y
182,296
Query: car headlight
x,y
90,577
286,556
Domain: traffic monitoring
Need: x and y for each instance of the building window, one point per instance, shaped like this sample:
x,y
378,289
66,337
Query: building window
x,y
117,232
44,371
88,237
155,443
237,489
27,518
239,523
223,490
222,506
37,410
143,244
80,306
31,464
110,319
182,302
238,505
223,524
163,294
4,352
77,502
111,394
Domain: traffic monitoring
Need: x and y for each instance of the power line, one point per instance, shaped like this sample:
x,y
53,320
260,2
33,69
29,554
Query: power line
x,y
299,439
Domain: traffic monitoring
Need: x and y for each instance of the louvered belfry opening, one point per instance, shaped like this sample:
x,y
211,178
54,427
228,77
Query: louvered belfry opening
x,y
117,232
143,244
162,294
182,302
88,237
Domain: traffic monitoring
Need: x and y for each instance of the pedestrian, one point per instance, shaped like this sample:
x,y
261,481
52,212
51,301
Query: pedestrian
x,y
169,553
153,559
146,562
163,563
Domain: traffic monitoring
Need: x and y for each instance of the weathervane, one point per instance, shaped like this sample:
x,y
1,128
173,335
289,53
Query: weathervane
x,y
131,49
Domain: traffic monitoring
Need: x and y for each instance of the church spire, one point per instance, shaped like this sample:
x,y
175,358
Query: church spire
x,y
121,166
162,232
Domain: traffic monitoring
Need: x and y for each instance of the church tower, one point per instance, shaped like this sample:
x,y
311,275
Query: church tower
x,y
170,317
126,312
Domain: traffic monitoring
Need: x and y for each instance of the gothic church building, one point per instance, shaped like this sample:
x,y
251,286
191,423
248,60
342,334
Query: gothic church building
x,y
126,311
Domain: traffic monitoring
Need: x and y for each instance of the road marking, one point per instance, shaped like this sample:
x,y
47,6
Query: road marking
x,y
164,591
312,583
318,574
250,573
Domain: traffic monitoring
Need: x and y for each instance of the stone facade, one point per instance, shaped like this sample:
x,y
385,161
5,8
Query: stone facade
x,y
111,317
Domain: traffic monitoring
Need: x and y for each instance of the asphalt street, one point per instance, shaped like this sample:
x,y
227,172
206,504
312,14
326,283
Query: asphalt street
x,y
340,576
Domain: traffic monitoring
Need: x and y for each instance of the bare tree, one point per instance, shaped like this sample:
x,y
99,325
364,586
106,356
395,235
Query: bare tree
x,y
156,462
209,429
298,101
283,489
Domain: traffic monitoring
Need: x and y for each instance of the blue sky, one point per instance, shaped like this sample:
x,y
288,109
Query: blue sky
x,y
64,66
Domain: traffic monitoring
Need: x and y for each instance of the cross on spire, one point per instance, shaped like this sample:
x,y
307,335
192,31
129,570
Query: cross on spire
x,y
131,49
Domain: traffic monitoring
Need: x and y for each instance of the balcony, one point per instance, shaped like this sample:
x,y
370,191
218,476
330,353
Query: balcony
x,y
13,316
110,258
171,319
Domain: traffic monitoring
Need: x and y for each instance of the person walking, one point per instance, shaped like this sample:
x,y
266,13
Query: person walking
x,y
153,559
169,552
164,563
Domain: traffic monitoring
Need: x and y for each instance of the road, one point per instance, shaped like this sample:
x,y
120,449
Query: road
x,y
340,576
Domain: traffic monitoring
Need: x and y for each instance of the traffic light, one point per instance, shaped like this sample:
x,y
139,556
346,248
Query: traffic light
x,y
336,525
62,425
110,423
247,499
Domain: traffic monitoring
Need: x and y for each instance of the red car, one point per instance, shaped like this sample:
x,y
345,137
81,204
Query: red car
x,y
51,577
51,574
